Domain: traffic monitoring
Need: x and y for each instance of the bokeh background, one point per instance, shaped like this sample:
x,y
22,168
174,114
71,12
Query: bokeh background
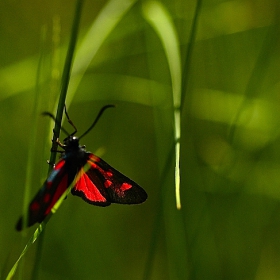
x,y
229,224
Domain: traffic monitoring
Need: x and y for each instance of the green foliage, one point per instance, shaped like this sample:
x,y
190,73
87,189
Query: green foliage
x,y
195,83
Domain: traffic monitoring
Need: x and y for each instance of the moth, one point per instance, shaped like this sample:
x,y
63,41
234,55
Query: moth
x,y
98,184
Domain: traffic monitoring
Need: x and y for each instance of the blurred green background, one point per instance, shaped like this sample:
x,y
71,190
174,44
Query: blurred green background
x,y
228,227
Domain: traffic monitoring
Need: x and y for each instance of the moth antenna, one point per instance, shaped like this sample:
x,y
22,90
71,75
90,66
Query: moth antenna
x,y
48,114
96,119
73,133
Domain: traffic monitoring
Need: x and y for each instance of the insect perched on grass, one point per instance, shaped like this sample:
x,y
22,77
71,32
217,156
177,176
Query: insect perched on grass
x,y
99,184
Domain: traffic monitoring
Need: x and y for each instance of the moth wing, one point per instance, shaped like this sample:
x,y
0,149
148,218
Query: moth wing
x,y
100,184
52,189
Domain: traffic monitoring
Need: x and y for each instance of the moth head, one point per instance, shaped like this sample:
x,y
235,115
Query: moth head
x,y
71,142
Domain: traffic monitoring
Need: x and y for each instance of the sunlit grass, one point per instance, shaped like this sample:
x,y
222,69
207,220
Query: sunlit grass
x,y
206,79
158,17
31,158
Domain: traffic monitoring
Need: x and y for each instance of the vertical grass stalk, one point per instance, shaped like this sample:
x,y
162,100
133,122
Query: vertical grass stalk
x,y
63,92
159,18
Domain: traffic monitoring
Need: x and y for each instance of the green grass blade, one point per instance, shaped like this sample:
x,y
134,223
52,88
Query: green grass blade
x,y
31,157
27,246
257,77
189,52
64,87
160,20
108,18
66,78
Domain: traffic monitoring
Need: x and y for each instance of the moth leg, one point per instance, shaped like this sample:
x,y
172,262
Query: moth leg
x,y
57,151
48,162
57,141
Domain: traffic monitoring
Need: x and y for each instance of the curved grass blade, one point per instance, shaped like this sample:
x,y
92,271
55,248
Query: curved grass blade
x,y
108,18
159,18
27,246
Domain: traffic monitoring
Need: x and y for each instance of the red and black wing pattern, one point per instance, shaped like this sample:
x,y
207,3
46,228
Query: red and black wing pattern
x,y
41,205
102,185
96,182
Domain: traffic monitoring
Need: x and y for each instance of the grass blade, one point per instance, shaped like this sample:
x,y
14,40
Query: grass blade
x,y
160,20
61,103
100,29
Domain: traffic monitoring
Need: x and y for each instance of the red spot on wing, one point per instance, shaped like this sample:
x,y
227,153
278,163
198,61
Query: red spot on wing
x,y
125,187
88,189
35,206
107,183
98,167
59,165
112,184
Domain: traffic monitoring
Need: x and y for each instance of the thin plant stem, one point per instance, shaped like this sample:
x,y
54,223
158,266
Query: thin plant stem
x,y
65,79
64,86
